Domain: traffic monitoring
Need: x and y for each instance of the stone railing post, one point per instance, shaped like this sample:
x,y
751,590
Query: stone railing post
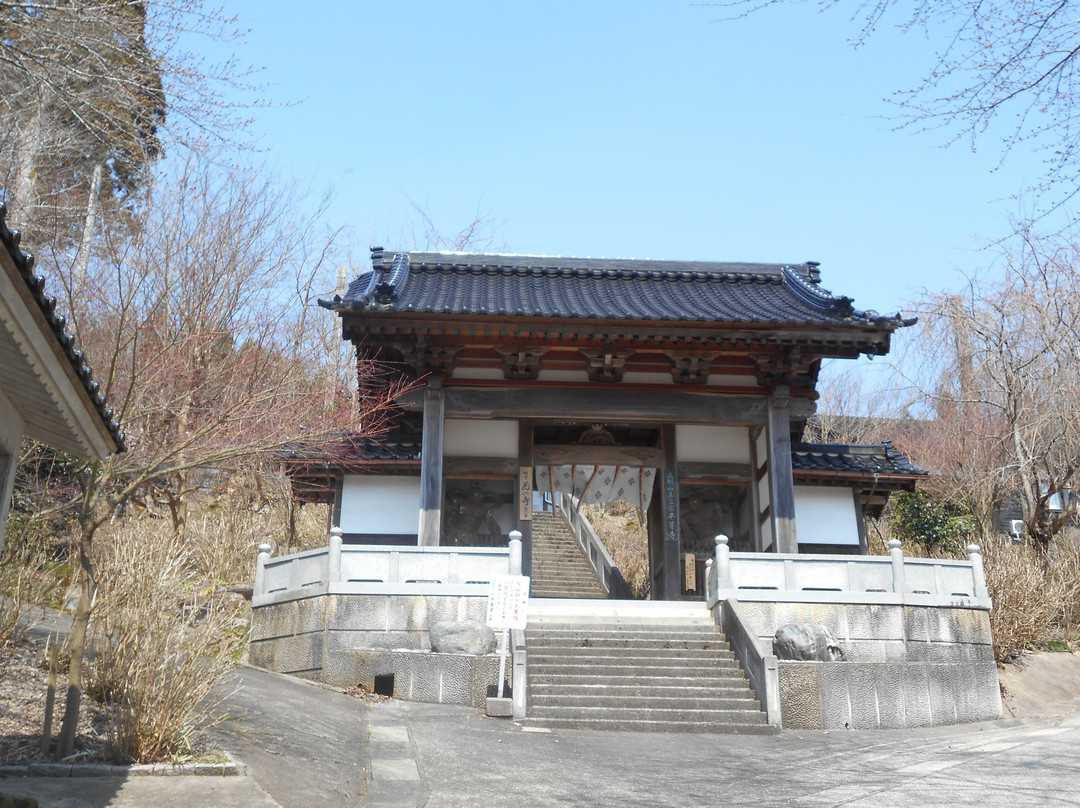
x,y
515,552
708,574
899,580
723,564
978,572
260,569
333,556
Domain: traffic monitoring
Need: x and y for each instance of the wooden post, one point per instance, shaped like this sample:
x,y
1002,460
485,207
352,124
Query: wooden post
x,y
781,482
525,476
860,523
431,460
755,495
669,500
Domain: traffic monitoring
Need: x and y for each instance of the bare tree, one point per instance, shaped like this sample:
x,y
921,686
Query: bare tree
x,y
197,323
1008,393
1010,62
98,87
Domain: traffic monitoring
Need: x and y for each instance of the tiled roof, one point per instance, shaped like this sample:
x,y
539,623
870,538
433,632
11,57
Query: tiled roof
x,y
35,283
880,460
600,288
353,451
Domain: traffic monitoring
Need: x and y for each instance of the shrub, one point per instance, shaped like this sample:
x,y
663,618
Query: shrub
x,y
918,517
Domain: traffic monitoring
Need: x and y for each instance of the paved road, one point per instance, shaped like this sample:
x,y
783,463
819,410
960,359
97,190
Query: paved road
x,y
463,759
307,746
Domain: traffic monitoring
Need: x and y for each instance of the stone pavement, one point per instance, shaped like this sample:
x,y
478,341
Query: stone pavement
x,y
308,746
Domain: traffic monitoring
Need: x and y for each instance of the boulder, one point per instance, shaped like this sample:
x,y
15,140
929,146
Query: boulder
x,y
806,642
451,637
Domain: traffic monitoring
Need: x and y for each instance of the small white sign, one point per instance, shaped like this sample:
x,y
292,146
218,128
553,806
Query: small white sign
x,y
508,601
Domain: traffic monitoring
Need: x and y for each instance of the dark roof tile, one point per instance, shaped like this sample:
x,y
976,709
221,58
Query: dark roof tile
x,y
24,262
600,288
852,459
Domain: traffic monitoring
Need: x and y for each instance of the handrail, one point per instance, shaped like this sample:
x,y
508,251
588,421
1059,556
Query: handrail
x,y
603,567
761,669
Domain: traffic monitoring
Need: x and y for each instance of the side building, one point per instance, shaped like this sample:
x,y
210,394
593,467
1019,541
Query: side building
x,y
47,391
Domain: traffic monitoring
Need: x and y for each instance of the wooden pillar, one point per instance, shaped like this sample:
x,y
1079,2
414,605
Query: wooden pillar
x,y
781,483
860,521
669,509
431,462
755,494
525,481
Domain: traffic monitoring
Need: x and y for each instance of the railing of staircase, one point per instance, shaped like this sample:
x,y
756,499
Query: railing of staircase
x,y
607,574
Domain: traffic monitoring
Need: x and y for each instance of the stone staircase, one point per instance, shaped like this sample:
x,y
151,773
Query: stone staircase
x,y
637,672
559,567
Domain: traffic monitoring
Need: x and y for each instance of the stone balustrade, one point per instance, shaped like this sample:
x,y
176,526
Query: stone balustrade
x,y
884,580
380,570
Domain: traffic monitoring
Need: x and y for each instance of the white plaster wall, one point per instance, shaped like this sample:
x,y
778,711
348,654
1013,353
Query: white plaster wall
x,y
563,375
11,433
637,377
479,373
467,438
712,444
380,504
826,515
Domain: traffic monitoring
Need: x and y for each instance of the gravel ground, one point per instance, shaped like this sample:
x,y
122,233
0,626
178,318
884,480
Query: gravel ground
x,y
24,679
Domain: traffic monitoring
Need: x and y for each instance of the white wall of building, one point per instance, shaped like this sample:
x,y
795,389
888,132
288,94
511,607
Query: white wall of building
x,y
712,444
826,515
463,437
380,504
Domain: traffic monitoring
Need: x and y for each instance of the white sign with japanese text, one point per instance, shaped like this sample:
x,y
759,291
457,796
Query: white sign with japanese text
x,y
508,601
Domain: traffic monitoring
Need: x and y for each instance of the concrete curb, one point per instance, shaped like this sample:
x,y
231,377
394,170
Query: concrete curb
x,y
231,768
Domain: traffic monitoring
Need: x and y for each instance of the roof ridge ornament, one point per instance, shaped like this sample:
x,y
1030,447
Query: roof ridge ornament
x,y
389,284
814,296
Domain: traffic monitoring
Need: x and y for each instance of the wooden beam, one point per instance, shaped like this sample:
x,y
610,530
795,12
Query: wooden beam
x,y
586,455
727,472
610,404
431,465
781,481
480,468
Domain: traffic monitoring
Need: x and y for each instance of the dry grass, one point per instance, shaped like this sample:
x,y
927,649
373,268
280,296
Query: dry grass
x,y
163,644
165,625
225,530
1036,599
626,539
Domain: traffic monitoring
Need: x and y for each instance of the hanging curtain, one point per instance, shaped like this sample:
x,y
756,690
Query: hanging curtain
x,y
596,484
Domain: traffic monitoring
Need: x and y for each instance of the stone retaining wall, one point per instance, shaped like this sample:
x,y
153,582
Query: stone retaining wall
x,y
904,666
345,640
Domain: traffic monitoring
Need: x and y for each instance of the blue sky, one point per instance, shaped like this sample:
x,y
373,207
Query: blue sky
x,y
629,129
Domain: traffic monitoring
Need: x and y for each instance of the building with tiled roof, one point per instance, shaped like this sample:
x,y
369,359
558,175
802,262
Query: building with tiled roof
x,y
47,391
681,386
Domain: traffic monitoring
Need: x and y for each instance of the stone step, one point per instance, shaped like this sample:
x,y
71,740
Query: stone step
x,y
543,653
668,715
618,667
632,636
731,689
623,725
578,682
574,701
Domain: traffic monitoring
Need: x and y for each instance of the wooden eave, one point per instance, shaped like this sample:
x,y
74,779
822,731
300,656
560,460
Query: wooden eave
x,y
839,341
